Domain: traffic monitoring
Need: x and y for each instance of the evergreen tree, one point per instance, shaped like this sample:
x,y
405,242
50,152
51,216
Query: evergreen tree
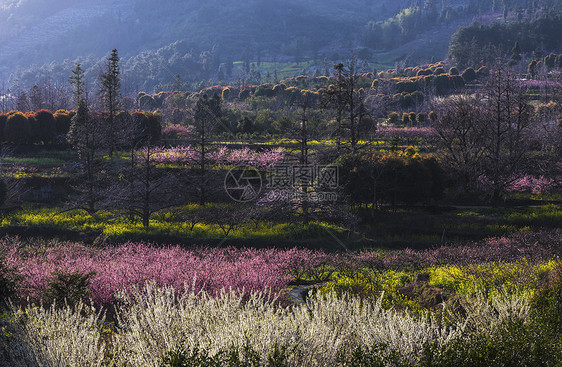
x,y
86,137
110,94
77,134
77,81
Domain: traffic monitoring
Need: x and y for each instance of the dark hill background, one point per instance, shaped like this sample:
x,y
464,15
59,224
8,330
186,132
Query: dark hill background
x,y
163,41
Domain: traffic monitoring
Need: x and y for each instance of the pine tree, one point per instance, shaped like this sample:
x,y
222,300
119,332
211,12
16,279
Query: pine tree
x,y
86,137
110,93
78,135
77,80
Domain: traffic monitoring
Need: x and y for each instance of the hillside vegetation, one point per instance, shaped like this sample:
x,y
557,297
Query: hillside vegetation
x,y
221,41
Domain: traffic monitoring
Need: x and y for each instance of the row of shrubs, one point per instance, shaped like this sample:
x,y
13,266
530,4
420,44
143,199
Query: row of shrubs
x,y
551,61
407,80
46,127
411,117
515,343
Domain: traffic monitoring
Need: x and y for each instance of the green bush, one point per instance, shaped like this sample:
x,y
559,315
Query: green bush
x,y
482,72
3,119
17,129
9,280
439,71
393,118
432,116
46,125
3,192
493,277
264,90
405,118
377,356
372,284
244,94
232,357
62,121
513,344
69,287
180,357
403,178
546,303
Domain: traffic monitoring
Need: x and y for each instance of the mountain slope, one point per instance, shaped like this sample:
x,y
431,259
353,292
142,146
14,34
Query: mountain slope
x,y
201,40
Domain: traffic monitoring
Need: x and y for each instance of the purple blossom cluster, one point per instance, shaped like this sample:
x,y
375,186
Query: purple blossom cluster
x,y
531,246
409,133
536,185
524,183
189,155
176,132
532,83
23,169
133,264
212,269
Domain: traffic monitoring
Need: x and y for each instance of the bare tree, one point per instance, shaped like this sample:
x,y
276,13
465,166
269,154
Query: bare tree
x,y
304,102
207,115
229,219
86,135
349,103
11,189
3,97
299,188
144,188
489,136
334,98
510,130
462,132
379,100
22,102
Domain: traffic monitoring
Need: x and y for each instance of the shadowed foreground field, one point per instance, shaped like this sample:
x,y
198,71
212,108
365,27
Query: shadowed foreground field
x,y
488,303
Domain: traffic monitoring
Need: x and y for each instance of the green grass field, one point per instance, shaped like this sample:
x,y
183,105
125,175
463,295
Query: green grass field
x,y
416,228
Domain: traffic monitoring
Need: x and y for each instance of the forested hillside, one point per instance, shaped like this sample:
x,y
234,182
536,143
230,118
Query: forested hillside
x,y
481,44
42,40
192,44
239,30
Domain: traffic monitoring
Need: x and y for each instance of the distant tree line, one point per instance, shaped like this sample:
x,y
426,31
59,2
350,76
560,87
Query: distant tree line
x,y
479,44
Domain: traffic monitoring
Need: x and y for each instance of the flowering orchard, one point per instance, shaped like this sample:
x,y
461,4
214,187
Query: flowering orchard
x,y
129,265
217,306
189,155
